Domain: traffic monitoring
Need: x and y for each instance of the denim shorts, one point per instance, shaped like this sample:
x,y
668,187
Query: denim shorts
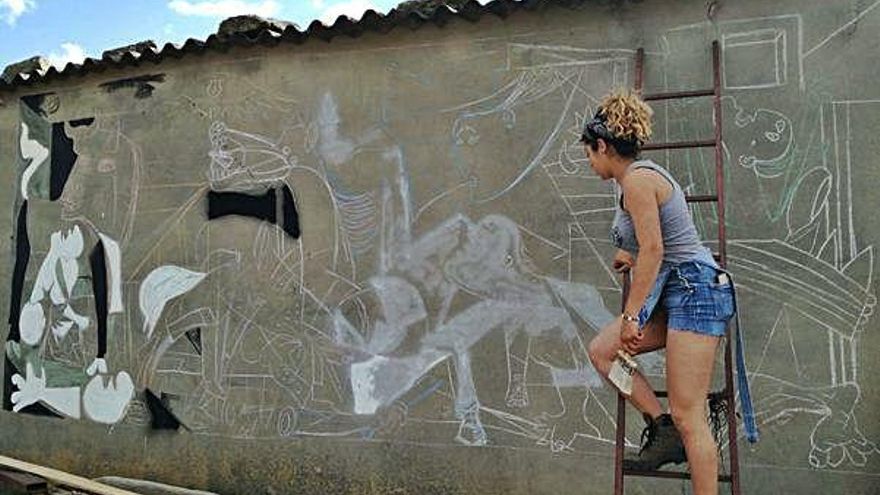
x,y
695,296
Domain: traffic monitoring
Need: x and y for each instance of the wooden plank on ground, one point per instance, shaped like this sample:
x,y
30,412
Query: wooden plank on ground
x,y
25,482
62,478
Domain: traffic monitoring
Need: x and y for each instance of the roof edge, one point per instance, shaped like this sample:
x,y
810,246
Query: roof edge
x,y
272,32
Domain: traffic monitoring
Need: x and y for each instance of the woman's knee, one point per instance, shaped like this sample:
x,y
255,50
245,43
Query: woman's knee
x,y
689,420
594,350
600,350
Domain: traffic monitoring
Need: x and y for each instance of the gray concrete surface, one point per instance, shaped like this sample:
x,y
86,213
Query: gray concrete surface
x,y
425,332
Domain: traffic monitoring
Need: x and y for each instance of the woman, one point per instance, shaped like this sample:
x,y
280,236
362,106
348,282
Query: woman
x,y
679,298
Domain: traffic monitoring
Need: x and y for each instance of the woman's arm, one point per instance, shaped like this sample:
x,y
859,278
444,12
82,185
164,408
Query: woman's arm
x,y
640,200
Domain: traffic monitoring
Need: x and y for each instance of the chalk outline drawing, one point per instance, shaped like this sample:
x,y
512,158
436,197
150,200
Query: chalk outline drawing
x,y
373,244
833,254
777,42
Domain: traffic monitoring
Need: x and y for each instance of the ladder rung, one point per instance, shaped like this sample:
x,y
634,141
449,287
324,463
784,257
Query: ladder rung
x,y
679,95
680,144
682,475
706,198
720,394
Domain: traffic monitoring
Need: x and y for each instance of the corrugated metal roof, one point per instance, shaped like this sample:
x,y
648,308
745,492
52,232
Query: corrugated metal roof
x,y
271,35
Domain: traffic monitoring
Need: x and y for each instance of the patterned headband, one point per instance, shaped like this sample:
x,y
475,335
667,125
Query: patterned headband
x,y
596,128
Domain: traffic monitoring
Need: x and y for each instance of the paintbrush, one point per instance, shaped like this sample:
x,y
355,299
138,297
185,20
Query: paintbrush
x,y
622,370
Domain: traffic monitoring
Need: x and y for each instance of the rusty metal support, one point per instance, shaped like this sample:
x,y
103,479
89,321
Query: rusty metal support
x,y
678,95
640,69
620,427
719,152
733,450
679,145
676,475
727,394
703,198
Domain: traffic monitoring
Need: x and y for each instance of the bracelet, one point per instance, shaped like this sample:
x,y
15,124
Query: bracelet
x,y
627,317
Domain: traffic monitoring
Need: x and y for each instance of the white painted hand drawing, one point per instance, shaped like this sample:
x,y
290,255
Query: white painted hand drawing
x,y
32,389
99,365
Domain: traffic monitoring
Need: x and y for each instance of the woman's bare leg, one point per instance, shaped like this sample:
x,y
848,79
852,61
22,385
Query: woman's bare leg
x,y
690,359
603,350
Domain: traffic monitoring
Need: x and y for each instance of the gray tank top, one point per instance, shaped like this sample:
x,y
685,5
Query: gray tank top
x,y
680,239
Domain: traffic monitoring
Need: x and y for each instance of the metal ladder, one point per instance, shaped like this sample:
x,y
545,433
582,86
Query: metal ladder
x,y
727,393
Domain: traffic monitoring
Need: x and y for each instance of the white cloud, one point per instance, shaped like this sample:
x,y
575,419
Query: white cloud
x,y
12,9
225,8
352,8
72,53
317,3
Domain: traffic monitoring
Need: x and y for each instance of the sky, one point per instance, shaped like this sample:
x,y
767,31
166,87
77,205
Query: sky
x,y
70,30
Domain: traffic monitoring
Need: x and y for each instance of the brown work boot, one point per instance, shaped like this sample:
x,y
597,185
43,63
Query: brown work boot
x,y
661,444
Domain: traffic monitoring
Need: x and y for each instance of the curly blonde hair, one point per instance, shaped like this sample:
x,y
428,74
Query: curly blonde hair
x,y
627,116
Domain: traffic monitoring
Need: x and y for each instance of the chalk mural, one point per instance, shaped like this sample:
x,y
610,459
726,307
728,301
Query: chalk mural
x,y
314,269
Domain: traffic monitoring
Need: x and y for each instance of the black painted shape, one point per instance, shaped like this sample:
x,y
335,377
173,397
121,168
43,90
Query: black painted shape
x,y
291,216
161,416
63,158
38,409
98,262
8,371
194,337
22,257
143,88
221,204
82,122
35,103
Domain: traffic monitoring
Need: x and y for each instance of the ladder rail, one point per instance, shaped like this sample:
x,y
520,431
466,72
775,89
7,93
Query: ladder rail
x,y
733,450
620,428
719,153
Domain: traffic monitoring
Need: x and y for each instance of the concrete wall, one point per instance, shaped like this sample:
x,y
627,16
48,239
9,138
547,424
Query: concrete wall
x,y
425,330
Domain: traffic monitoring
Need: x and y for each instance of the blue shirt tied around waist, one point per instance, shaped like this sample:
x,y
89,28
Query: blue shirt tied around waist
x,y
681,244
